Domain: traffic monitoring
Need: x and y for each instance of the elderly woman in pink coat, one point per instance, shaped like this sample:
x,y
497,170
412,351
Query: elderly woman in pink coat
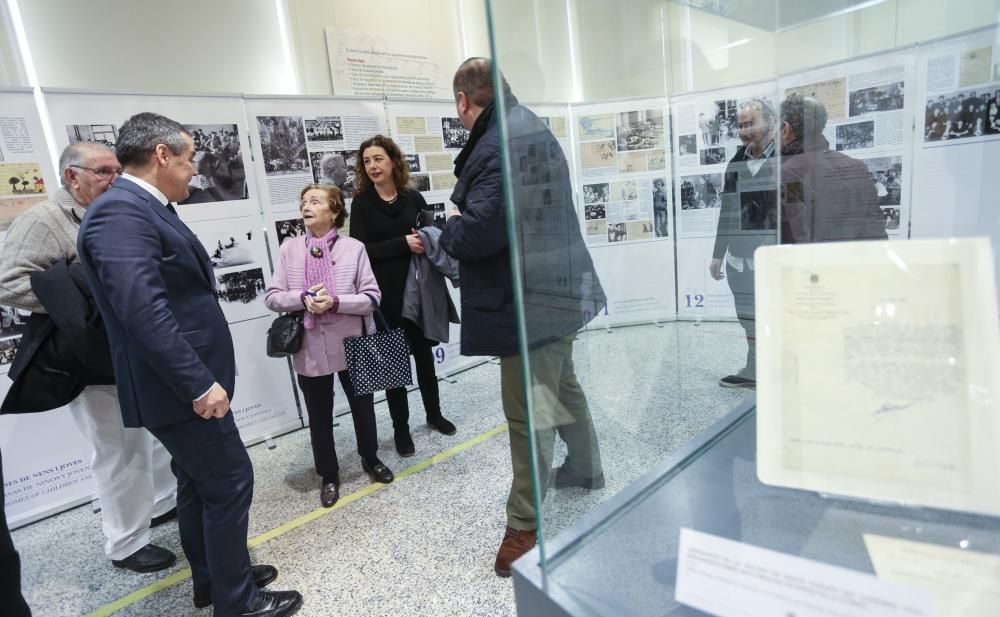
x,y
329,277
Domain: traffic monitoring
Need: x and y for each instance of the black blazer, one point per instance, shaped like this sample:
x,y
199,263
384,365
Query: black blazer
x,y
155,288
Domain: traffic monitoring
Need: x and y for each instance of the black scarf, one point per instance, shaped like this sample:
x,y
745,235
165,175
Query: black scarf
x,y
482,123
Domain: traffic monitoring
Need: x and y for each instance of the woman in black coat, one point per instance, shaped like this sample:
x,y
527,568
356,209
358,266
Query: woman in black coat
x,y
383,215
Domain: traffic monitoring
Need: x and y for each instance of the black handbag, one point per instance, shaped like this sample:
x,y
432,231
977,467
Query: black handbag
x,y
380,360
284,337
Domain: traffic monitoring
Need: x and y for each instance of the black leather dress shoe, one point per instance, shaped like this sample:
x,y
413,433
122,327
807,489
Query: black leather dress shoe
x,y
329,493
150,558
378,471
262,577
274,604
166,517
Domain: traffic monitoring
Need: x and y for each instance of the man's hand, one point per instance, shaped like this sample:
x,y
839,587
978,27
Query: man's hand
x,y
215,404
716,269
454,213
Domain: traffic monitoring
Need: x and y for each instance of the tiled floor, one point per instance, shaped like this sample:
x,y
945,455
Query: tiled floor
x,y
425,544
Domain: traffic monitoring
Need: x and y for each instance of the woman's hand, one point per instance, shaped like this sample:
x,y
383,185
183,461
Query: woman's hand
x,y
414,242
319,304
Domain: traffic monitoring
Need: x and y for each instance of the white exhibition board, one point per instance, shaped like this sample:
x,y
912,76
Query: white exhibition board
x,y
622,157
955,179
46,461
299,141
705,139
430,135
870,103
223,211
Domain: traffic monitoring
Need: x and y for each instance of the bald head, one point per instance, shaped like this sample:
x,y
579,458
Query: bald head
x,y
805,116
475,78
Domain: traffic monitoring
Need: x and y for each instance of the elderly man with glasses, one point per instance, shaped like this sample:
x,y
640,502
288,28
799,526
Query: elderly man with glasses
x,y
131,470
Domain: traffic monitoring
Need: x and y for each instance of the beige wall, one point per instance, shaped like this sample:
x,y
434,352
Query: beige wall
x,y
638,48
11,72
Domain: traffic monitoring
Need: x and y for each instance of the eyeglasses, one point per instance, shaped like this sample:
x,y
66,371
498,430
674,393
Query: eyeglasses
x,y
104,173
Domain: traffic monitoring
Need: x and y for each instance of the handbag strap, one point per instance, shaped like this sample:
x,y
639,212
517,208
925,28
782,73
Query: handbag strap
x,y
379,317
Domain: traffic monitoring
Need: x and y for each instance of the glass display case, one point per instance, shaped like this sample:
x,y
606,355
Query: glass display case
x,y
654,152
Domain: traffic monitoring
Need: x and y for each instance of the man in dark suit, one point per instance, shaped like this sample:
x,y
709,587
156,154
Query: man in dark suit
x,y
173,358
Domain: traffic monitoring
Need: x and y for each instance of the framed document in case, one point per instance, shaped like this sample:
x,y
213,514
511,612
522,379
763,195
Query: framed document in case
x,y
878,371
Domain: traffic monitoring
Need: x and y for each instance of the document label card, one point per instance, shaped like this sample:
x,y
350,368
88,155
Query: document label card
x,y
732,579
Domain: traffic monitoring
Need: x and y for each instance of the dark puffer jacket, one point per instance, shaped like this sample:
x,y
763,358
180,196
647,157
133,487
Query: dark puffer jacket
x,y
561,291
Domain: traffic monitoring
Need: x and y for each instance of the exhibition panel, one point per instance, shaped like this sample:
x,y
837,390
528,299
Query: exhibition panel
x,y
223,211
47,460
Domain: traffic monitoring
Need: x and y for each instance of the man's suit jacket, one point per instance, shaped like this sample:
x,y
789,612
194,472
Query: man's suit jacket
x,y
155,288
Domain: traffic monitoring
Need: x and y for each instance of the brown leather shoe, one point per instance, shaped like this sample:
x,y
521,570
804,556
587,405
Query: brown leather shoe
x,y
516,542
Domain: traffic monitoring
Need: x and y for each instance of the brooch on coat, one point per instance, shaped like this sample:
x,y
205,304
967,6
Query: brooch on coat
x,y
316,252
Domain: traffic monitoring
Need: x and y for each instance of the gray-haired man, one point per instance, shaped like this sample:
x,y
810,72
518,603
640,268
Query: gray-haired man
x,y
131,470
748,219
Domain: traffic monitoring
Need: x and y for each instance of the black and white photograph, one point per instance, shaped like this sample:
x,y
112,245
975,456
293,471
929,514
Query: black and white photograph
x,y
283,144
660,209
596,211
960,115
420,182
229,244
713,156
455,135
717,124
617,232
8,349
640,130
106,134
625,191
13,324
891,218
887,175
438,214
701,192
219,161
856,136
413,162
875,99
687,145
241,294
335,168
324,129
289,228
596,193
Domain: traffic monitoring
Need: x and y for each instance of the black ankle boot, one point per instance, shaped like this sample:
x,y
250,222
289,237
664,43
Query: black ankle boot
x,y
404,443
440,424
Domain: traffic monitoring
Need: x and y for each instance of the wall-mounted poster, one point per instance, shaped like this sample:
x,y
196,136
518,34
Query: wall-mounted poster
x,y
622,176
870,110
46,461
